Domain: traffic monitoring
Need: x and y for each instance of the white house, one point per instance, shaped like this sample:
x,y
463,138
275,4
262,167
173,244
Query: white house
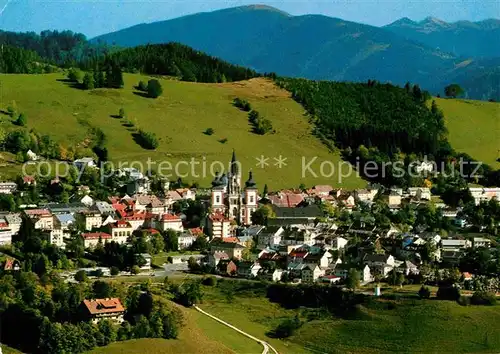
x,y
420,193
90,240
269,237
311,273
455,245
383,263
84,162
170,222
366,274
8,187
481,242
120,231
87,200
91,220
339,243
185,240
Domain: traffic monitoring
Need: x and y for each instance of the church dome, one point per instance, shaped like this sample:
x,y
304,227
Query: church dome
x,y
250,183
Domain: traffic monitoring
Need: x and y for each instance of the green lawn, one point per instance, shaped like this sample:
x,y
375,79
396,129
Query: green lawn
x,y
474,128
179,118
407,325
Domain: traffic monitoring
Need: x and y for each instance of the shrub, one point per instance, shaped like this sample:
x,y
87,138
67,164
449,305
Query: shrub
x,y
286,328
142,86
209,281
424,292
448,293
154,88
463,301
121,113
261,125
21,120
223,141
483,298
242,104
114,270
81,276
74,75
209,131
147,140
12,109
135,270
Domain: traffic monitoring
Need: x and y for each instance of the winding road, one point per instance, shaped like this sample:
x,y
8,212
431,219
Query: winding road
x,y
266,345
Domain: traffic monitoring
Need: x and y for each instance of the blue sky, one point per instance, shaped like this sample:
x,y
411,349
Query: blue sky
x,y
93,17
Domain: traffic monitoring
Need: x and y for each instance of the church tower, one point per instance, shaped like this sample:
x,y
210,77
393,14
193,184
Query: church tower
x,y
250,198
234,189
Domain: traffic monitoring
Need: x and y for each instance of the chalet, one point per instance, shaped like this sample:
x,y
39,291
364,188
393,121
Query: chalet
x,y
98,309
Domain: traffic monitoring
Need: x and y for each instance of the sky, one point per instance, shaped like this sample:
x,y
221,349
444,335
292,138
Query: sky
x,y
92,17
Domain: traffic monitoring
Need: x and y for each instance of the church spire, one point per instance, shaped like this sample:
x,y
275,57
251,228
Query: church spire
x,y
234,165
250,183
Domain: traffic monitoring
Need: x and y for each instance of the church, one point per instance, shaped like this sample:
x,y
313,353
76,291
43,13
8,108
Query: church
x,y
232,200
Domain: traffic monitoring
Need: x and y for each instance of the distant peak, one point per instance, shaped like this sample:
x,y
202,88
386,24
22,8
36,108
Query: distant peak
x,y
261,7
405,21
434,21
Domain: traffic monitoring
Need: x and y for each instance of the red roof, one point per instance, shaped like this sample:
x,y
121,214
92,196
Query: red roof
x,y
196,231
96,236
28,179
170,218
287,199
231,239
3,225
37,212
120,224
152,231
135,216
219,217
98,306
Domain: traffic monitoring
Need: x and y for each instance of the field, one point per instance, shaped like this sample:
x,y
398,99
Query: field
x,y
200,335
179,118
409,325
474,128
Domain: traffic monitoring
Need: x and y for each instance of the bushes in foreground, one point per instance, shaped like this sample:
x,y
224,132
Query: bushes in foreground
x,y
147,140
483,298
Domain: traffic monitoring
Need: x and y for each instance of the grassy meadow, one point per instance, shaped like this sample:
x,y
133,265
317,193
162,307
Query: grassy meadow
x,y
179,117
474,128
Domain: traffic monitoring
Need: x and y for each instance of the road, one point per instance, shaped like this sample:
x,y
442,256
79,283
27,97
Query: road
x,y
266,345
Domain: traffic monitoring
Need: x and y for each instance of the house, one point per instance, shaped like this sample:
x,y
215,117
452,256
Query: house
x,y
120,231
11,264
185,240
481,242
420,193
90,219
186,193
320,191
227,267
5,234
322,259
424,166
311,273
69,208
136,220
139,186
13,220
455,244
8,187
329,279
29,181
31,155
82,163
104,208
382,263
98,309
366,275
408,268
286,199
149,203
42,219
248,269
214,258
271,236
394,199
87,201
342,270
218,226
345,199
365,195
64,221
170,222
297,215
339,243
233,250
484,194
91,239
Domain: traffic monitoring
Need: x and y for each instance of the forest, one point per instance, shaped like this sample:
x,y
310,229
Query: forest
x,y
178,60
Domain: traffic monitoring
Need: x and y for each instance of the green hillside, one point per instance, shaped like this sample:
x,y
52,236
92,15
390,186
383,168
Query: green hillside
x,y
474,128
179,118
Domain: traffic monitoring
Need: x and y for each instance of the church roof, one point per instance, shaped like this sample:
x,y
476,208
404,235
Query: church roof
x,y
234,165
250,183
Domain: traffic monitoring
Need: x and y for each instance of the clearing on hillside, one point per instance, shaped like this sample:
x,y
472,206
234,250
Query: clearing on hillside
x,y
178,118
474,128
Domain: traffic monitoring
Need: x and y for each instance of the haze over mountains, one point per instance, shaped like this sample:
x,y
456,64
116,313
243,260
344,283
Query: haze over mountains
x,y
319,47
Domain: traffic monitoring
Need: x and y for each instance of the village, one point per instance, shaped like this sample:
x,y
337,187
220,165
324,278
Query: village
x,y
321,234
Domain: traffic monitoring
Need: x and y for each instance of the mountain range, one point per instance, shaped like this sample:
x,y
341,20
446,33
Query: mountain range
x,y
431,53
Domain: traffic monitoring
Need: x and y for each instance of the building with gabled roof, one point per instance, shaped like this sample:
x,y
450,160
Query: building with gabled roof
x,y
99,309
